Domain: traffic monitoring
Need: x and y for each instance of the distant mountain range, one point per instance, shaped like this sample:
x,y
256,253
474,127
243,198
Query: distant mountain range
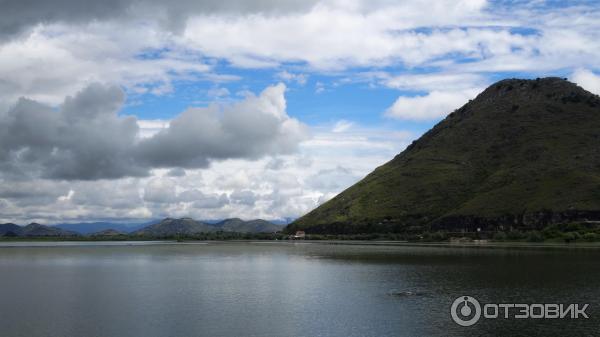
x,y
33,230
252,226
523,154
188,226
93,227
166,227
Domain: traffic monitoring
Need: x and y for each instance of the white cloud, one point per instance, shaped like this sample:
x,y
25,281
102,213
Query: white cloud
x,y
319,87
470,38
218,92
160,190
341,126
443,54
254,127
379,35
326,164
587,80
244,197
150,127
56,60
439,81
434,105
291,77
334,179
100,144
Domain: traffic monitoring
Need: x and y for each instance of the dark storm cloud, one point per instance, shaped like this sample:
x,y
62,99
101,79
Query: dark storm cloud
x,y
18,15
176,172
27,193
86,139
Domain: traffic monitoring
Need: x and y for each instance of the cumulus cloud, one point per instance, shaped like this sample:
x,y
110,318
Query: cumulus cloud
x,y
244,197
69,38
587,79
53,61
160,190
332,180
111,196
218,92
434,105
102,165
25,193
256,126
381,32
211,201
275,164
18,15
176,172
202,200
86,139
300,181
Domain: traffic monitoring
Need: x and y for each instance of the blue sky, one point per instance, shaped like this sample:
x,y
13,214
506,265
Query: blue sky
x,y
353,101
255,109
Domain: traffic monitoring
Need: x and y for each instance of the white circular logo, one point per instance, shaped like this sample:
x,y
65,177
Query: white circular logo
x,y
465,311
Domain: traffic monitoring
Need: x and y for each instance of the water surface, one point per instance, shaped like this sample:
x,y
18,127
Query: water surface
x,y
284,289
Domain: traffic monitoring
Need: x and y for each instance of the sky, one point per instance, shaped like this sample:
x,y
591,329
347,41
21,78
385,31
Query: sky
x,y
124,110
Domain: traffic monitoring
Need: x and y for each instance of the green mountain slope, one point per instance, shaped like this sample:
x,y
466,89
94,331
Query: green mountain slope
x,y
170,227
188,226
251,226
524,153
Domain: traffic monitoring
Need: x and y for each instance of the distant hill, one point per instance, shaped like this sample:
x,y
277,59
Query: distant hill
x,y
169,226
188,226
282,222
228,225
92,227
10,229
163,228
33,230
107,233
251,226
524,154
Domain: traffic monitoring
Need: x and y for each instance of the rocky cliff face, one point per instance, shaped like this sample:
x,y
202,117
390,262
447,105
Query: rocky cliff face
x,y
524,153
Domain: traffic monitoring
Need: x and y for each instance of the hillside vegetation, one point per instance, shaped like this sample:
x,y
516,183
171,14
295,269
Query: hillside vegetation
x,y
523,154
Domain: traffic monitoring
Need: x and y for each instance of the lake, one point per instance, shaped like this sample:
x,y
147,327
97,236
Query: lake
x,y
284,289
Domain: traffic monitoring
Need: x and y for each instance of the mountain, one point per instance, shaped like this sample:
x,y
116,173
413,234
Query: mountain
x,y
523,153
37,230
107,232
283,222
251,226
10,229
188,226
33,230
169,227
92,227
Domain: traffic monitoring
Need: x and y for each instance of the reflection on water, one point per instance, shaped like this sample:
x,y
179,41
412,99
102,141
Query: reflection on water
x,y
284,289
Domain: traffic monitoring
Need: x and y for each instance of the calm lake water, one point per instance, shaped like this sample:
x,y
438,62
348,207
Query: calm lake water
x,y
284,289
